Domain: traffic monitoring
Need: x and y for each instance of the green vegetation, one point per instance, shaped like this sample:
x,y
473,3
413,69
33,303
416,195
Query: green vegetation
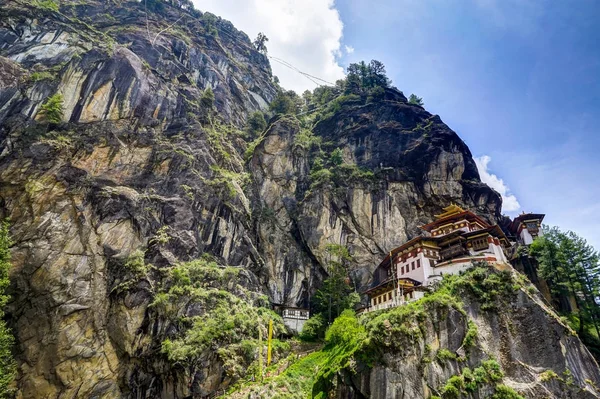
x,y
52,109
444,354
256,124
332,170
505,392
285,103
134,270
46,5
343,339
415,100
337,292
470,380
228,323
252,147
471,335
571,268
208,98
306,140
260,42
207,103
491,289
135,263
210,23
161,237
219,138
39,76
362,77
314,328
7,363
549,375
351,341
230,183
364,83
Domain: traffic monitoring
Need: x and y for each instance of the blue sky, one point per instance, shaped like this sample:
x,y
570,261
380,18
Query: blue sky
x,y
518,80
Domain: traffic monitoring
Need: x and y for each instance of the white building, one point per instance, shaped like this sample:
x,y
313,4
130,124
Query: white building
x,y
293,317
450,245
527,227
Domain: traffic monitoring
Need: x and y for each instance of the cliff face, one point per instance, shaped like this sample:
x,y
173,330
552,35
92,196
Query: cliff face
x,y
459,345
139,162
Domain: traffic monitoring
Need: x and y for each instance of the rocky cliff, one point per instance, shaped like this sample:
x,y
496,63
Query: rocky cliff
x,y
141,160
501,340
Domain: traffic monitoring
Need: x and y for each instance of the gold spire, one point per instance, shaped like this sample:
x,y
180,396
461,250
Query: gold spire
x,y
450,210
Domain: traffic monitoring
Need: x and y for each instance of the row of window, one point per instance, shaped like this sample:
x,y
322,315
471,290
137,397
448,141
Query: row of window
x,y
388,297
412,266
302,314
430,252
480,243
382,298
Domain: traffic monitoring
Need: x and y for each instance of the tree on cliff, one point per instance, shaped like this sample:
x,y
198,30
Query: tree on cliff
x,y
362,76
260,42
286,102
571,267
7,364
52,110
415,100
337,293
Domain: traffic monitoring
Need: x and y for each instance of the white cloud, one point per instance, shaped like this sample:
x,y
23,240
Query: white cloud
x,y
306,34
509,201
349,49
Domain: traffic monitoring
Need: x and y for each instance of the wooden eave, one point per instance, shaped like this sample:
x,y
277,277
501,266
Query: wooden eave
x,y
468,215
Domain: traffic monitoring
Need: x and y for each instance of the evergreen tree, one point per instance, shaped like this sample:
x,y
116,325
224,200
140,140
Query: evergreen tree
x,y
256,123
7,364
337,157
307,101
286,102
337,293
415,100
377,76
52,109
572,269
353,84
362,76
260,42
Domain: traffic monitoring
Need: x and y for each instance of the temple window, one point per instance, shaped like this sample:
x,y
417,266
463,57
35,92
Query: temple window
x,y
413,265
480,244
418,263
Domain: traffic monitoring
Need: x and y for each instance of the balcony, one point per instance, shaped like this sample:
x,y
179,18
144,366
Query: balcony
x,y
452,252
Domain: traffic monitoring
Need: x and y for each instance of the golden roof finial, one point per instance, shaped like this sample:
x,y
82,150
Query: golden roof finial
x,y
450,210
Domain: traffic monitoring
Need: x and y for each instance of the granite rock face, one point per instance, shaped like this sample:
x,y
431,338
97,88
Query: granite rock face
x,y
540,356
139,162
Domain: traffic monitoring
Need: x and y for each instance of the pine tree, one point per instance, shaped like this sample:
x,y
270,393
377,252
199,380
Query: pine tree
x,y
571,268
337,293
415,100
